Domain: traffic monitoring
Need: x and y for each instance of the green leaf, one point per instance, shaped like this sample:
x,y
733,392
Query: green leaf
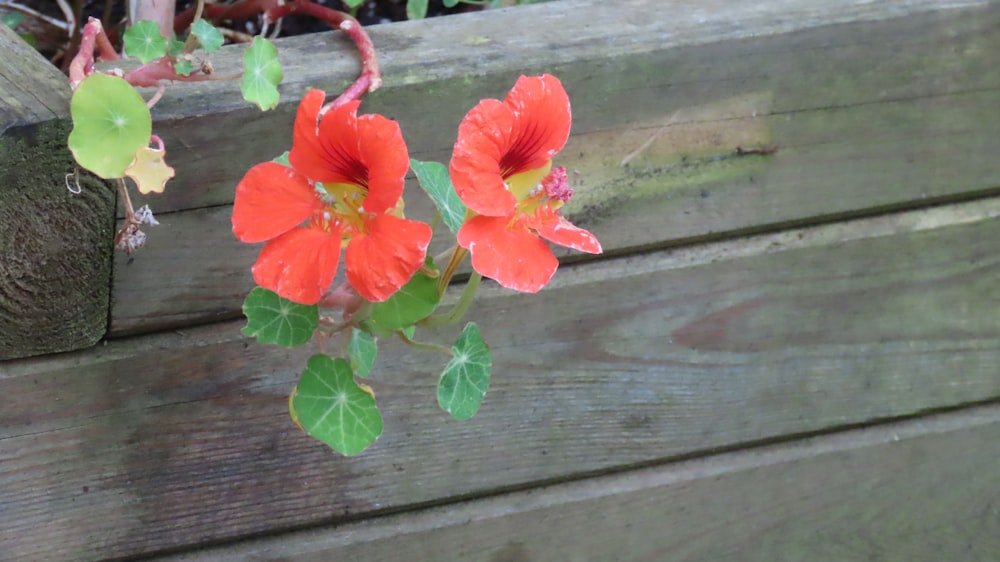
x,y
416,9
272,319
183,67
362,349
11,19
434,179
353,3
110,123
175,47
283,159
143,40
331,407
465,379
409,331
261,74
450,3
208,36
418,298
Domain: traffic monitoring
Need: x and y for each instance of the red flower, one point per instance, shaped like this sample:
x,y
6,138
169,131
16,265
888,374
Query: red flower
x,y
502,170
345,184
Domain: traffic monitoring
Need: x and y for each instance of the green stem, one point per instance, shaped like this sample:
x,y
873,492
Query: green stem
x,y
424,346
461,307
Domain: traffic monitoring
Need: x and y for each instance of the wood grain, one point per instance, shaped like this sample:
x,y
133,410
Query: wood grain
x,y
877,114
181,438
33,90
55,246
921,490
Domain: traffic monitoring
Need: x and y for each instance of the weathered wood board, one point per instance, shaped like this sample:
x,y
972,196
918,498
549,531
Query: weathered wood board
x,y
881,493
55,246
873,106
181,438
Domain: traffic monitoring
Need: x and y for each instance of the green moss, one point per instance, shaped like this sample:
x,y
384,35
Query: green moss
x,y
56,272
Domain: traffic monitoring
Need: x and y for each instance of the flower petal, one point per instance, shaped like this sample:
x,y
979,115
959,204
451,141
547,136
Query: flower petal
x,y
383,259
383,151
327,153
299,265
555,228
483,139
307,155
271,199
542,119
514,257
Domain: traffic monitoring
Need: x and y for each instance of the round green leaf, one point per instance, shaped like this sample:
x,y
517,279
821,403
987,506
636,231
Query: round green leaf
x,y
110,122
466,378
11,19
209,37
434,179
279,321
184,67
331,407
418,298
261,74
362,349
143,40
416,9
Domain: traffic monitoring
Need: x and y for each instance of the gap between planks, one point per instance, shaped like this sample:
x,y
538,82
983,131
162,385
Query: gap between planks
x,y
678,257
732,245
563,495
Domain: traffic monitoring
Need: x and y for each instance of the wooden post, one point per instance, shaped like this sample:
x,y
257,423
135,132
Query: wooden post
x,y
55,246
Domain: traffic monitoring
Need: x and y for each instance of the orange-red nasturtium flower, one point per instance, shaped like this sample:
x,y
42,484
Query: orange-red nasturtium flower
x,y
501,167
342,190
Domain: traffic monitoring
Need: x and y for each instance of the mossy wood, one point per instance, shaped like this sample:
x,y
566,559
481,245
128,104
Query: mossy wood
x,y
872,106
182,438
871,494
55,246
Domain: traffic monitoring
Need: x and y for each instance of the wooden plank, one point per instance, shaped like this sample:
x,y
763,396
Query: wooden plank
x,y
55,247
874,106
920,490
181,438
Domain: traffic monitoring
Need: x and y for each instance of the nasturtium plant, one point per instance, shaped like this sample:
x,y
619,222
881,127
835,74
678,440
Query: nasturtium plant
x,y
466,378
143,41
433,178
11,19
209,37
149,171
275,320
110,123
329,405
416,9
261,74
336,197
184,67
414,301
362,350
175,47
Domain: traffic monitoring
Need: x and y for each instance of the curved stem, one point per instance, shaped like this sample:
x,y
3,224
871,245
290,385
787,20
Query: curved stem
x,y
461,307
370,78
457,256
425,346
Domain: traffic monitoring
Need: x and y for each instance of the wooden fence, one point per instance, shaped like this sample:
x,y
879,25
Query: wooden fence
x,y
788,356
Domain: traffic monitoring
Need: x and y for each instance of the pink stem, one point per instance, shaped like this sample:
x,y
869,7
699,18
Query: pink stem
x,y
93,37
370,78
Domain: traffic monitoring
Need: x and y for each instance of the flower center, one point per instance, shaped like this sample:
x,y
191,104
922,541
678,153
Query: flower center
x,y
550,189
343,208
